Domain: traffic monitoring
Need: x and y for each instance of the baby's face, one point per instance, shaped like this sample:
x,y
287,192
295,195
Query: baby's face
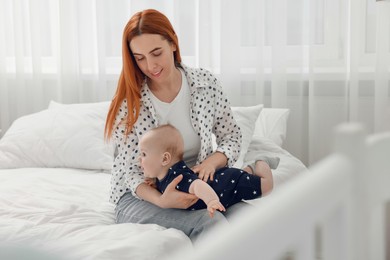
x,y
150,157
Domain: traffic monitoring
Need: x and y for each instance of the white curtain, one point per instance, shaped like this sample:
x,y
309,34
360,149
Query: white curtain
x,y
326,60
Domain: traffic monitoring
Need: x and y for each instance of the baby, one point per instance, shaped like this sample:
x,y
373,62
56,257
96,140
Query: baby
x,y
161,158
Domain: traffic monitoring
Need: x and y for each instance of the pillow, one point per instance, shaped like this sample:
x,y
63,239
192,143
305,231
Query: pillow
x,y
101,106
70,136
244,116
272,124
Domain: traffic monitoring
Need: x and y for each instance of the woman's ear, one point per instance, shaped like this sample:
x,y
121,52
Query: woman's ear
x,y
173,47
166,158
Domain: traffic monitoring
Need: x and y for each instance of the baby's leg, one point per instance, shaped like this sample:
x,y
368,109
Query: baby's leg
x,y
248,169
263,170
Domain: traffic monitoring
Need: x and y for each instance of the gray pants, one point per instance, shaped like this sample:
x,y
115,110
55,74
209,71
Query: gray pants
x,y
193,223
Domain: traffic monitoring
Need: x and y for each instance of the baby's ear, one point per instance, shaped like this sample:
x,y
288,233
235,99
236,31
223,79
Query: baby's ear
x,y
166,158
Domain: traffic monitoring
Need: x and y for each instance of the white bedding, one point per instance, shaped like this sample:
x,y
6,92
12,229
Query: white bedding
x,y
54,184
288,167
65,212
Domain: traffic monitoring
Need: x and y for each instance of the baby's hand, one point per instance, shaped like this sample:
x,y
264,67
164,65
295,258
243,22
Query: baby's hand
x,y
151,182
214,205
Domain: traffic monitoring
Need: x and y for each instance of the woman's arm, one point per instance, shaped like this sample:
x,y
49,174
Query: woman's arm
x,y
171,198
227,132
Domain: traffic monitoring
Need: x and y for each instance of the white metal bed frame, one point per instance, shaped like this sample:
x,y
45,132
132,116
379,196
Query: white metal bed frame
x,y
336,210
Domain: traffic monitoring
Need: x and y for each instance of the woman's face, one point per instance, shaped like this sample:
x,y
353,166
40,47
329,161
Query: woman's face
x,y
154,56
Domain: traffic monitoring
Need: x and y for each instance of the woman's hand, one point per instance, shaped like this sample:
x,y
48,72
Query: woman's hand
x,y
173,198
151,182
205,171
207,168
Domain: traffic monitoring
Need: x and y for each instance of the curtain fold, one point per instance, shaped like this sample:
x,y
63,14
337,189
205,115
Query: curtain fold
x,y
327,61
382,58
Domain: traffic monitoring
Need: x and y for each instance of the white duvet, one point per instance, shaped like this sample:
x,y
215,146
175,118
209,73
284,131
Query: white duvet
x,y
65,212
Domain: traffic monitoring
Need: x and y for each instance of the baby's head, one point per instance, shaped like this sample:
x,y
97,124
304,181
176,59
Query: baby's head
x,y
160,148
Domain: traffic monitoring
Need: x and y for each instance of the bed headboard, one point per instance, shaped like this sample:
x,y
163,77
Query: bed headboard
x,y
335,210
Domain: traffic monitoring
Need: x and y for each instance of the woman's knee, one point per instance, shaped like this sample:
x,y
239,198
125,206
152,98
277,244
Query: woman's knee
x,y
206,225
193,223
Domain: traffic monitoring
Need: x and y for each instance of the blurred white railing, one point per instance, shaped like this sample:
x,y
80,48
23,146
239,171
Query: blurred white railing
x,y
335,211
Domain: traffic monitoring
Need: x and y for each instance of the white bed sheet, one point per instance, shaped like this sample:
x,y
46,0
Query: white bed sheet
x,y
65,212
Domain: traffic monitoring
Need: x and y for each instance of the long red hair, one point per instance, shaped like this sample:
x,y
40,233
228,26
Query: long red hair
x,y
131,78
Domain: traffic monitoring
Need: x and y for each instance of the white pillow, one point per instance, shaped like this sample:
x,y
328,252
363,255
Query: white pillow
x,y
272,124
69,136
102,107
245,118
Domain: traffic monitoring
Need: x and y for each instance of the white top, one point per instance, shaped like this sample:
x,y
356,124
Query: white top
x,y
177,113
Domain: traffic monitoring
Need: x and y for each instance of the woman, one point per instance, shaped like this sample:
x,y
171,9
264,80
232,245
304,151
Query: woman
x,y
155,88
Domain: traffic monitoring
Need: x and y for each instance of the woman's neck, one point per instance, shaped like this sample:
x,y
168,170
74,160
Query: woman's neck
x,y
167,91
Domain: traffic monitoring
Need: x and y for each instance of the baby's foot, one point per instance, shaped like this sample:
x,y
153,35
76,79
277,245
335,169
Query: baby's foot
x,y
263,170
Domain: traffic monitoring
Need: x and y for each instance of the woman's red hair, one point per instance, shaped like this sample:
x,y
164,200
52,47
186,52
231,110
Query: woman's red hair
x,y
131,78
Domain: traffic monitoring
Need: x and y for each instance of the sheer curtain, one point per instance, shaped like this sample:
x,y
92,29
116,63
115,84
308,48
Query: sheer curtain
x,y
326,60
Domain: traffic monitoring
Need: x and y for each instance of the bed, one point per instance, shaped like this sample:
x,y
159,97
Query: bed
x,y
55,180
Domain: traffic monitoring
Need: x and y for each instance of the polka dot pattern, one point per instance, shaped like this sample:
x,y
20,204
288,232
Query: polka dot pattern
x,y
210,113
